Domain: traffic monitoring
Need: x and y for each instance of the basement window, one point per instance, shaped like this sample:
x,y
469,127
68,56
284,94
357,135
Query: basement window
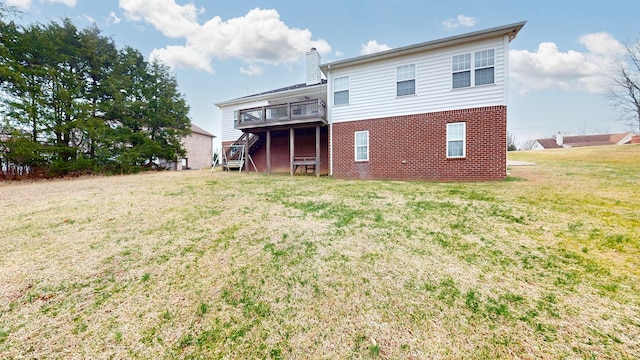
x,y
456,140
362,145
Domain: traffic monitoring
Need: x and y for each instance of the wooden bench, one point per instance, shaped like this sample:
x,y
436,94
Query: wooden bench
x,y
233,164
309,163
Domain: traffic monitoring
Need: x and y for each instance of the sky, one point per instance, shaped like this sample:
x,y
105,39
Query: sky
x,y
220,50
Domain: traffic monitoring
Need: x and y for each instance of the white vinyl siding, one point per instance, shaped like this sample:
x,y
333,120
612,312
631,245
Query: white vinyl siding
x,y
361,145
228,131
341,90
406,80
456,140
373,86
228,119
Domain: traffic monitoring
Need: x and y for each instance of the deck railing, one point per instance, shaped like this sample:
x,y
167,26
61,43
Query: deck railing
x,y
289,113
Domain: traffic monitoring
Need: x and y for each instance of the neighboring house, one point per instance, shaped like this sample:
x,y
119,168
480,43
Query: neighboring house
x,y
561,141
430,111
199,148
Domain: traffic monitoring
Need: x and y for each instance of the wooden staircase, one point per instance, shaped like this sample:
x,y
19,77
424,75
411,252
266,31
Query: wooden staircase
x,y
232,155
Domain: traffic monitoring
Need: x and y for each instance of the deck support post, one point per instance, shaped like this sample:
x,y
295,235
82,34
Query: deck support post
x,y
317,168
268,151
292,137
246,152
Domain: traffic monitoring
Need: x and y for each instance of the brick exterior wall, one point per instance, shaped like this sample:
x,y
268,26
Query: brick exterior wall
x,y
305,145
199,148
413,147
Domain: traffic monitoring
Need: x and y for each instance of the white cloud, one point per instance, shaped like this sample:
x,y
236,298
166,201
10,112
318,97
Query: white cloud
x,y
26,4
252,70
460,20
166,16
339,53
20,4
373,47
257,37
69,3
88,18
185,57
113,19
550,68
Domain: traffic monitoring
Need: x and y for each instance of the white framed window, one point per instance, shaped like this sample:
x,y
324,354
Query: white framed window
x,y
456,140
362,145
484,67
473,69
406,80
461,68
341,90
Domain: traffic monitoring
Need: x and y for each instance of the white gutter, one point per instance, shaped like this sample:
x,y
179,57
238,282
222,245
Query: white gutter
x,y
329,117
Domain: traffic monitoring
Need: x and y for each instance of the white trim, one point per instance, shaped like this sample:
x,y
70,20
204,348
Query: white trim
x,y
355,145
415,79
472,68
463,139
510,30
505,68
348,90
329,117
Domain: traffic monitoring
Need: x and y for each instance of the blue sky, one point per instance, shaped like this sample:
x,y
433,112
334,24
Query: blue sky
x,y
220,50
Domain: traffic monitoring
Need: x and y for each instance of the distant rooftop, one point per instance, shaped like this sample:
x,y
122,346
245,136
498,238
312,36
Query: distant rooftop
x,y
198,130
587,140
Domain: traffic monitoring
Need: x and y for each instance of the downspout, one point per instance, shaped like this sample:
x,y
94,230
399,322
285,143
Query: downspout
x,y
330,105
506,43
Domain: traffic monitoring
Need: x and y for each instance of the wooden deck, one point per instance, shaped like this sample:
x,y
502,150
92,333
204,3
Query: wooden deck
x,y
304,112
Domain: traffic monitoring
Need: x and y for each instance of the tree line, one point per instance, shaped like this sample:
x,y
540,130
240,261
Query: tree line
x,y
71,102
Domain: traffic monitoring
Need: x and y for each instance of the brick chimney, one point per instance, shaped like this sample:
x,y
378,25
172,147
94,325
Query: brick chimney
x,y
314,74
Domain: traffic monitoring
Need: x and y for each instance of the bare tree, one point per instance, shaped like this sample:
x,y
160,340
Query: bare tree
x,y
527,144
511,141
624,92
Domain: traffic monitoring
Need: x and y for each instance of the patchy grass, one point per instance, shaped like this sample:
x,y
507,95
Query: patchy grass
x,y
225,265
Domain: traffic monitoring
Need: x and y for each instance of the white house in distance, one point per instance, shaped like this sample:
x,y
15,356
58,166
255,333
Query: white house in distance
x,y
562,141
199,148
430,111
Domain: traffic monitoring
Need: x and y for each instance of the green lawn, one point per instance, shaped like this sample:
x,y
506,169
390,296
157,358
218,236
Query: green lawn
x,y
224,265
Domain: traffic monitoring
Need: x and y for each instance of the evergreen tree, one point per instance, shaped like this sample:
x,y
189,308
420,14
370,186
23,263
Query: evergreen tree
x,y
74,102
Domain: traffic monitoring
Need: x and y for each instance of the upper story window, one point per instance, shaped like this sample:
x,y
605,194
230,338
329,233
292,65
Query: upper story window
x,y
461,67
482,73
484,63
341,90
362,145
406,80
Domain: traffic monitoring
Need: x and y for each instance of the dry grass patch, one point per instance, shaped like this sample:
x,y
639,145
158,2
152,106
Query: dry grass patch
x,y
226,265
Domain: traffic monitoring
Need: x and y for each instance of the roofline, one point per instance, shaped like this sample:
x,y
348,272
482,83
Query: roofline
x,y
271,95
198,130
511,30
606,134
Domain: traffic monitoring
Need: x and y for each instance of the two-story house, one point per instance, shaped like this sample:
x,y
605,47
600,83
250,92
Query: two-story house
x,y
430,111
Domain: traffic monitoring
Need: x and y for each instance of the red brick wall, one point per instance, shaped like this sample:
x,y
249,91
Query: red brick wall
x,y
413,147
635,139
305,145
